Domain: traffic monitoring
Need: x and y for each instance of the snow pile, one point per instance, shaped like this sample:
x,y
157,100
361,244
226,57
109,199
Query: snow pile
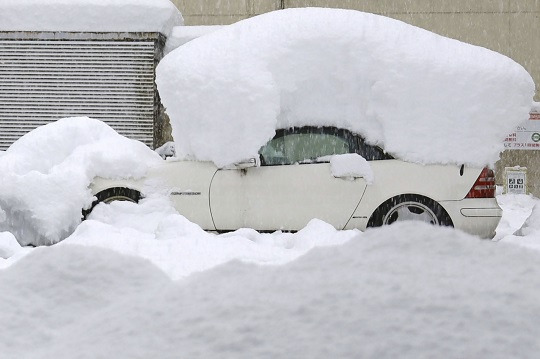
x,y
89,15
155,231
424,97
532,224
44,176
520,223
351,165
516,209
526,209
434,292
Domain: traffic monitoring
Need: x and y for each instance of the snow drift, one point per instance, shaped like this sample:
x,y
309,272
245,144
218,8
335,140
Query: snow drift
x,y
154,230
89,15
434,292
423,97
44,176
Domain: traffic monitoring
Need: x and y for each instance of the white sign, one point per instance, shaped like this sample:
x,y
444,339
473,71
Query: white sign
x,y
526,136
515,180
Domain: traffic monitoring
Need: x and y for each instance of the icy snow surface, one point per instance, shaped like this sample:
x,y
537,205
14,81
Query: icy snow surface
x,y
423,97
44,176
89,15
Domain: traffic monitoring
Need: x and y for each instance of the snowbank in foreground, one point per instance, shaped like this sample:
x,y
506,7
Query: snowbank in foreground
x,y
89,15
407,291
44,176
424,97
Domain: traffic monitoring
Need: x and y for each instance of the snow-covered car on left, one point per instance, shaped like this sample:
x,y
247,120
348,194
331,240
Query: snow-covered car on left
x,y
318,172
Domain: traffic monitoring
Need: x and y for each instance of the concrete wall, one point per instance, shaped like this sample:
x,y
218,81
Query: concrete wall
x,y
511,27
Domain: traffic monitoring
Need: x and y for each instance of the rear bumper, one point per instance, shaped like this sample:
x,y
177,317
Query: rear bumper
x,y
478,216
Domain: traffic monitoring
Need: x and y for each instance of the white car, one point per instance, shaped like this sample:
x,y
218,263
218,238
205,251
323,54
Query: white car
x,y
292,183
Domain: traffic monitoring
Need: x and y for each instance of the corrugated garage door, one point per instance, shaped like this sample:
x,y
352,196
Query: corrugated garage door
x,y
44,80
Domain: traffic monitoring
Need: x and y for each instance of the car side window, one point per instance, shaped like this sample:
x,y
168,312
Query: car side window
x,y
303,147
315,144
369,152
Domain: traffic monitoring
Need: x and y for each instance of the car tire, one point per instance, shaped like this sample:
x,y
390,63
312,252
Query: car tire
x,y
410,207
114,194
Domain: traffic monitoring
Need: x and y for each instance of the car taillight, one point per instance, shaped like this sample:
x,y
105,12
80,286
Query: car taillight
x,y
484,187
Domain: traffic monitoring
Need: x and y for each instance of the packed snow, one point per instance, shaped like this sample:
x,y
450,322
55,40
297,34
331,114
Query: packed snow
x,y
423,97
44,175
89,15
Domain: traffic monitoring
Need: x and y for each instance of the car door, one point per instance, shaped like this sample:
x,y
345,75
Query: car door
x,y
293,185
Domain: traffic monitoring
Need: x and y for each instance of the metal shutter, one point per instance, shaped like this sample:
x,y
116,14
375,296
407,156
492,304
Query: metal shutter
x,y
44,80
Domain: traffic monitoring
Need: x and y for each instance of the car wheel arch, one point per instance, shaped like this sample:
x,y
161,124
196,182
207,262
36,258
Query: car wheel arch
x,y
414,201
112,194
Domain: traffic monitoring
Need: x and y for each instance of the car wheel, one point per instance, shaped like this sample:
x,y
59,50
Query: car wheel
x,y
410,208
114,194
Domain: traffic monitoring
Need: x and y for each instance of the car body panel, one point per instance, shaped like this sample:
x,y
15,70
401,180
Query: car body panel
x,y
474,215
394,177
186,182
283,197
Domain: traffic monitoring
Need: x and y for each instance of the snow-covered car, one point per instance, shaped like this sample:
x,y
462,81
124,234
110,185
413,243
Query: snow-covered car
x,y
309,172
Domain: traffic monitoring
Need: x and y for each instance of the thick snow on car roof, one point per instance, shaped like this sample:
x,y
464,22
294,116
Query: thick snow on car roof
x,y
424,97
89,15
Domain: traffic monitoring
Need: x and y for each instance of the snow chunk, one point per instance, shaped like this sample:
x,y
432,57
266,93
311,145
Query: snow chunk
x,y
44,176
89,15
424,97
516,209
532,223
351,165
8,245
520,223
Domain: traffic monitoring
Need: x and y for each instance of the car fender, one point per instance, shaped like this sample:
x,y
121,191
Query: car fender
x,y
394,177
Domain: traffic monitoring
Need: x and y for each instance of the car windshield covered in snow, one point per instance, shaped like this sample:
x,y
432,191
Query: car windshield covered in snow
x,y
315,144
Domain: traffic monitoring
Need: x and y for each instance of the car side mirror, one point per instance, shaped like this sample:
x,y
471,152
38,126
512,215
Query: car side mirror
x,y
252,162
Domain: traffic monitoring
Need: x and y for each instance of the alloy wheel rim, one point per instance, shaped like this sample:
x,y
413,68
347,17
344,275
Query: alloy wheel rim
x,y
118,198
410,211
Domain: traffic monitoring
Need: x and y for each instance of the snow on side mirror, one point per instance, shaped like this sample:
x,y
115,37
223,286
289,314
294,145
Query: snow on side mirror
x,y
351,166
